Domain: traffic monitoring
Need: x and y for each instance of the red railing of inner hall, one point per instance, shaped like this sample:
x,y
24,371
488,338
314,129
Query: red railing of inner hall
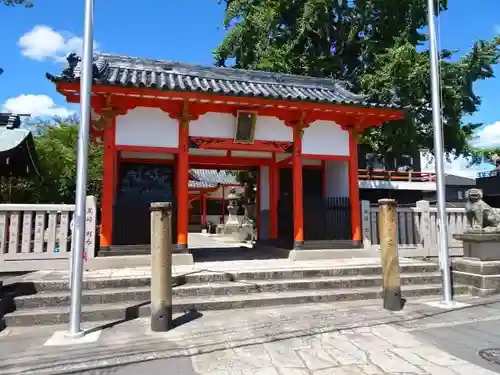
x,y
399,176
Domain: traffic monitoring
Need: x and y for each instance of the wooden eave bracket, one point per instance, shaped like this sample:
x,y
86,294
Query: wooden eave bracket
x,y
187,112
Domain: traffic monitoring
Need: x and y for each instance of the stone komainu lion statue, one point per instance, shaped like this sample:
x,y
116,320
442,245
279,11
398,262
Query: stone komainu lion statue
x,y
480,215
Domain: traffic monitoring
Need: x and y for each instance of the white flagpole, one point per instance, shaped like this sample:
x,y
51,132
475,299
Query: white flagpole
x,y
444,259
81,173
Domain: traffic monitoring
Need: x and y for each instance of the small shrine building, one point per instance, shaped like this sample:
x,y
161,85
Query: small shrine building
x,y
159,119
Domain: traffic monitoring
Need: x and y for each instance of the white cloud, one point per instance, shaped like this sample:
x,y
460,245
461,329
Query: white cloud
x,y
44,43
36,106
488,136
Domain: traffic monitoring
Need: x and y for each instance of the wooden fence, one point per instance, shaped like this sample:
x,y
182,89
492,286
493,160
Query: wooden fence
x,y
35,237
417,229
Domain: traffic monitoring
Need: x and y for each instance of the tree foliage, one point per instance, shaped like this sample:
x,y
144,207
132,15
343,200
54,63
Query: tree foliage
x,y
379,47
478,155
27,4
55,143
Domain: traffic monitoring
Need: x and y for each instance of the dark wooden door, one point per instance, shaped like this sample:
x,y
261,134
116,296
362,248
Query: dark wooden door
x,y
312,180
139,185
325,218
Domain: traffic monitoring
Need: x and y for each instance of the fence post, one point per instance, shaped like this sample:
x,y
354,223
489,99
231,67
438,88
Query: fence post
x,y
4,232
425,226
389,255
161,266
90,227
367,230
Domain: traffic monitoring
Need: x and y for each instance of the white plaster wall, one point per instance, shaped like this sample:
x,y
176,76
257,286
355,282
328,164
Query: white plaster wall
x,y
147,127
200,151
311,161
214,125
223,125
325,138
269,128
337,178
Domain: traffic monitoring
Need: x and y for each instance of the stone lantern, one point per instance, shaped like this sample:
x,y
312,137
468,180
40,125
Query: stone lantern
x,y
232,208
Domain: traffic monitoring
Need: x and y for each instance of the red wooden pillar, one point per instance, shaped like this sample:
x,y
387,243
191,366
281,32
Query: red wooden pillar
x,y
204,208
274,180
257,204
182,184
108,184
354,187
298,203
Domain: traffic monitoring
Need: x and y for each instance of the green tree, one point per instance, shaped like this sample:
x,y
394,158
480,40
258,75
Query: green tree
x,y
55,143
27,4
379,47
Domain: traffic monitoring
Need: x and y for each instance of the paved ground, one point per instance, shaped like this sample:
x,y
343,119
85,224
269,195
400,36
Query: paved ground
x,y
316,339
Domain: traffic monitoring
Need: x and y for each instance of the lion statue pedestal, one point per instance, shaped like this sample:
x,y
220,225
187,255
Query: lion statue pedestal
x,y
481,237
480,267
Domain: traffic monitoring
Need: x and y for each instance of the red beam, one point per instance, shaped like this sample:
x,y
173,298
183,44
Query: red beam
x,y
148,149
284,162
325,157
319,109
220,161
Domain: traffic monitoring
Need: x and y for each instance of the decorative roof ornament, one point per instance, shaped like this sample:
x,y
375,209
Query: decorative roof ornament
x,y
73,61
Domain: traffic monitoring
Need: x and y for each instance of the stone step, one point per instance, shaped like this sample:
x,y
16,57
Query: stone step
x,y
113,295
219,276
127,310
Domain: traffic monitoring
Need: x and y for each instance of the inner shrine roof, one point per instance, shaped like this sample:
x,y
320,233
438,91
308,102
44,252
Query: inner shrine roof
x,y
205,178
133,72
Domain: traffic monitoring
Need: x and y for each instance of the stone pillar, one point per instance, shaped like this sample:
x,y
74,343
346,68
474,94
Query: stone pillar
x,y
388,233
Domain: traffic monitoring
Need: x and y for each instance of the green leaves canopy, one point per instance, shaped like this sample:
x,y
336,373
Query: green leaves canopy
x,y
27,4
56,149
378,46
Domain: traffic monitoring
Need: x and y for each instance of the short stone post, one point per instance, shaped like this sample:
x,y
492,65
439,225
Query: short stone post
x,y
389,254
161,266
366,224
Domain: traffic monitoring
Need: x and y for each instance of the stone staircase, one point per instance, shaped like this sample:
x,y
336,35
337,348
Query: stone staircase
x,y
45,300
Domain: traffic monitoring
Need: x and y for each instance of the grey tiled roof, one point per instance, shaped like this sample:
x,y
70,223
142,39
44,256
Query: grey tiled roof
x,y
10,120
193,184
211,178
173,76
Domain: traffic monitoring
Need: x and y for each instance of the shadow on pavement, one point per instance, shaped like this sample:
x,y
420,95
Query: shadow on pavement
x,y
132,313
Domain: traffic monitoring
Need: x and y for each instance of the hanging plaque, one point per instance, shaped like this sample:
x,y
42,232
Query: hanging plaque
x,y
245,127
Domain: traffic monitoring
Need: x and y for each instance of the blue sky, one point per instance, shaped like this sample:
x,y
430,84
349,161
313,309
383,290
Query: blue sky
x,y
35,40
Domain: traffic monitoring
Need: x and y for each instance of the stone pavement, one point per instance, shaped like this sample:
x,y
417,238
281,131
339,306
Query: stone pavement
x,y
210,267
317,339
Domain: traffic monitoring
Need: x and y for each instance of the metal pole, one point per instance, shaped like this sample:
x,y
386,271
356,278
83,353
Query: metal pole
x,y
439,157
81,173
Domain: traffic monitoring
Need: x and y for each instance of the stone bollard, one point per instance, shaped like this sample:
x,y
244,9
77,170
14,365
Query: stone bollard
x,y
389,254
161,266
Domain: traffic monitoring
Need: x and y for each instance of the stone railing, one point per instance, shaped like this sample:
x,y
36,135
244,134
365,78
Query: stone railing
x,y
417,229
39,236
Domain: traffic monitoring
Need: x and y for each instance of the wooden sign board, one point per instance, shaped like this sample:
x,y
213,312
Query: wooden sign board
x,y
245,127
